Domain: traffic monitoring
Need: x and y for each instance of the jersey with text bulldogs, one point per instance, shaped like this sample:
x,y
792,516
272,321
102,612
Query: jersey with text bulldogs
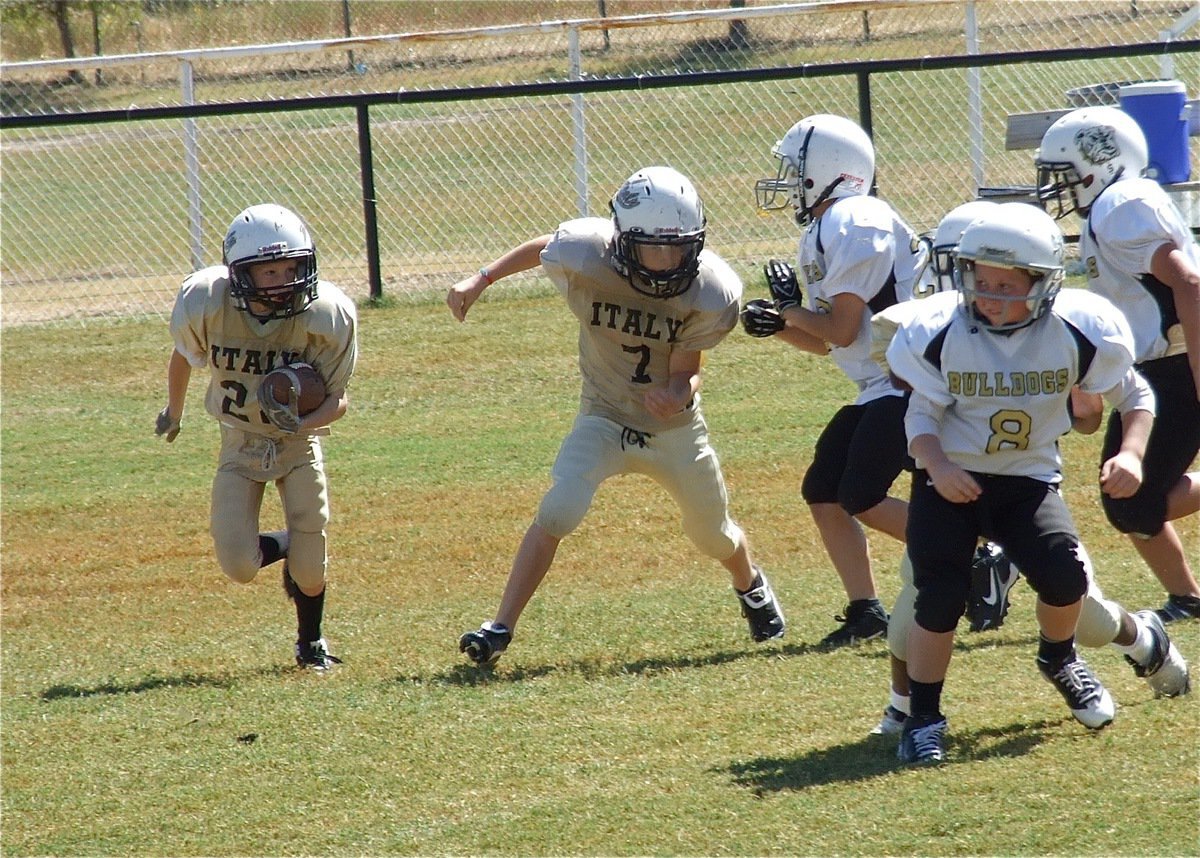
x,y
239,350
861,246
1003,398
1127,223
626,338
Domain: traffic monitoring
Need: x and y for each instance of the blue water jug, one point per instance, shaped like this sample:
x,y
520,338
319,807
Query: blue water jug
x,y
1160,109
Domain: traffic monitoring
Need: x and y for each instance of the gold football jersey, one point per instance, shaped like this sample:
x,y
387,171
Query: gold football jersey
x,y
239,350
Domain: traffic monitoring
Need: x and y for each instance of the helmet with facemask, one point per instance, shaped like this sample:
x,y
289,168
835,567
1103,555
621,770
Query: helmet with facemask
x,y
1014,236
1083,153
821,157
658,223
945,240
270,233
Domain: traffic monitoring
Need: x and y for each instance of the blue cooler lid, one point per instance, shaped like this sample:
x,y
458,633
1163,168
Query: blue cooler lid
x,y
1154,87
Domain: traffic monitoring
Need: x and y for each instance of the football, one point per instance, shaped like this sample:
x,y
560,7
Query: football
x,y
301,377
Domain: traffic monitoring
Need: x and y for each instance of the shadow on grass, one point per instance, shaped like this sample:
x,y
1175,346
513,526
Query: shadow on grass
x,y
506,671
963,642
471,674
873,756
150,683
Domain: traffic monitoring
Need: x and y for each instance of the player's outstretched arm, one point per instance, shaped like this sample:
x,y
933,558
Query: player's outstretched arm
x,y
466,292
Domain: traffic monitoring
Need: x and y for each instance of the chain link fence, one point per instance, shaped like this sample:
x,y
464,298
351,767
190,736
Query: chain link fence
x,y
96,217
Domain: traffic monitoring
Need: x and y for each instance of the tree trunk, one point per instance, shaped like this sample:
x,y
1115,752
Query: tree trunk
x,y
64,32
739,31
98,49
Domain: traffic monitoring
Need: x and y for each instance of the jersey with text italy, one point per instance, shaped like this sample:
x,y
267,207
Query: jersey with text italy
x,y
626,338
239,350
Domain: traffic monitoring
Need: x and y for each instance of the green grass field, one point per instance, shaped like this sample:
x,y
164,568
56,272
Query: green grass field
x,y
150,706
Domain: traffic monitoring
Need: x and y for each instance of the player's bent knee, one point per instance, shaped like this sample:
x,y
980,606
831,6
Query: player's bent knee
x,y
1135,516
716,541
813,492
557,520
239,571
1065,576
938,618
856,502
309,576
1099,621
939,608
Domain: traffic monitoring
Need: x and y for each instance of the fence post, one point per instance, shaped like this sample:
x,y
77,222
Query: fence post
x,y
370,223
974,98
864,115
579,124
191,161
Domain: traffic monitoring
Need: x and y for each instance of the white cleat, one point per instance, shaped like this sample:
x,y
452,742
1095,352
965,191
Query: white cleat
x,y
1166,671
1089,701
891,723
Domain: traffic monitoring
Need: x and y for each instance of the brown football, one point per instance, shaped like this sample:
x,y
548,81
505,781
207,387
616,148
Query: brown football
x,y
307,382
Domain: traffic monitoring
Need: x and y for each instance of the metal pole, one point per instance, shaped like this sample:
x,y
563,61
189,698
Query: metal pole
x,y
864,115
191,161
370,223
974,99
579,124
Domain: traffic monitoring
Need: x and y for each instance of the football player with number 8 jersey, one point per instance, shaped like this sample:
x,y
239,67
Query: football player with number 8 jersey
x,y
992,375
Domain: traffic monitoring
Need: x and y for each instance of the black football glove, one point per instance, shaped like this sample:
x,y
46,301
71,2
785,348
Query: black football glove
x,y
164,426
761,319
785,289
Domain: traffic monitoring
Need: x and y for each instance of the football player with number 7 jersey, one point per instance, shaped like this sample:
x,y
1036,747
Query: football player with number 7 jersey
x,y
992,372
649,300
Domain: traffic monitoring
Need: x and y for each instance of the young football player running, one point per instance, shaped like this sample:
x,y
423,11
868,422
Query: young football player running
x,y
857,256
1140,637
1140,254
650,300
264,308
991,379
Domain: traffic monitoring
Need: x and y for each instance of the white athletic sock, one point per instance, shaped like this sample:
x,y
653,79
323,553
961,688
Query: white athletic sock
x,y
1141,648
901,702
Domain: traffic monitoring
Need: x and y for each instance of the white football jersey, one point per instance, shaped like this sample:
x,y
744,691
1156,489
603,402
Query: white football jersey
x,y
1003,398
239,350
860,246
626,338
1128,222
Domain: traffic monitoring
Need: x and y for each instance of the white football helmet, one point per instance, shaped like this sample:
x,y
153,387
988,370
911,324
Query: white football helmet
x,y
945,240
1086,151
821,157
658,223
267,233
1013,235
